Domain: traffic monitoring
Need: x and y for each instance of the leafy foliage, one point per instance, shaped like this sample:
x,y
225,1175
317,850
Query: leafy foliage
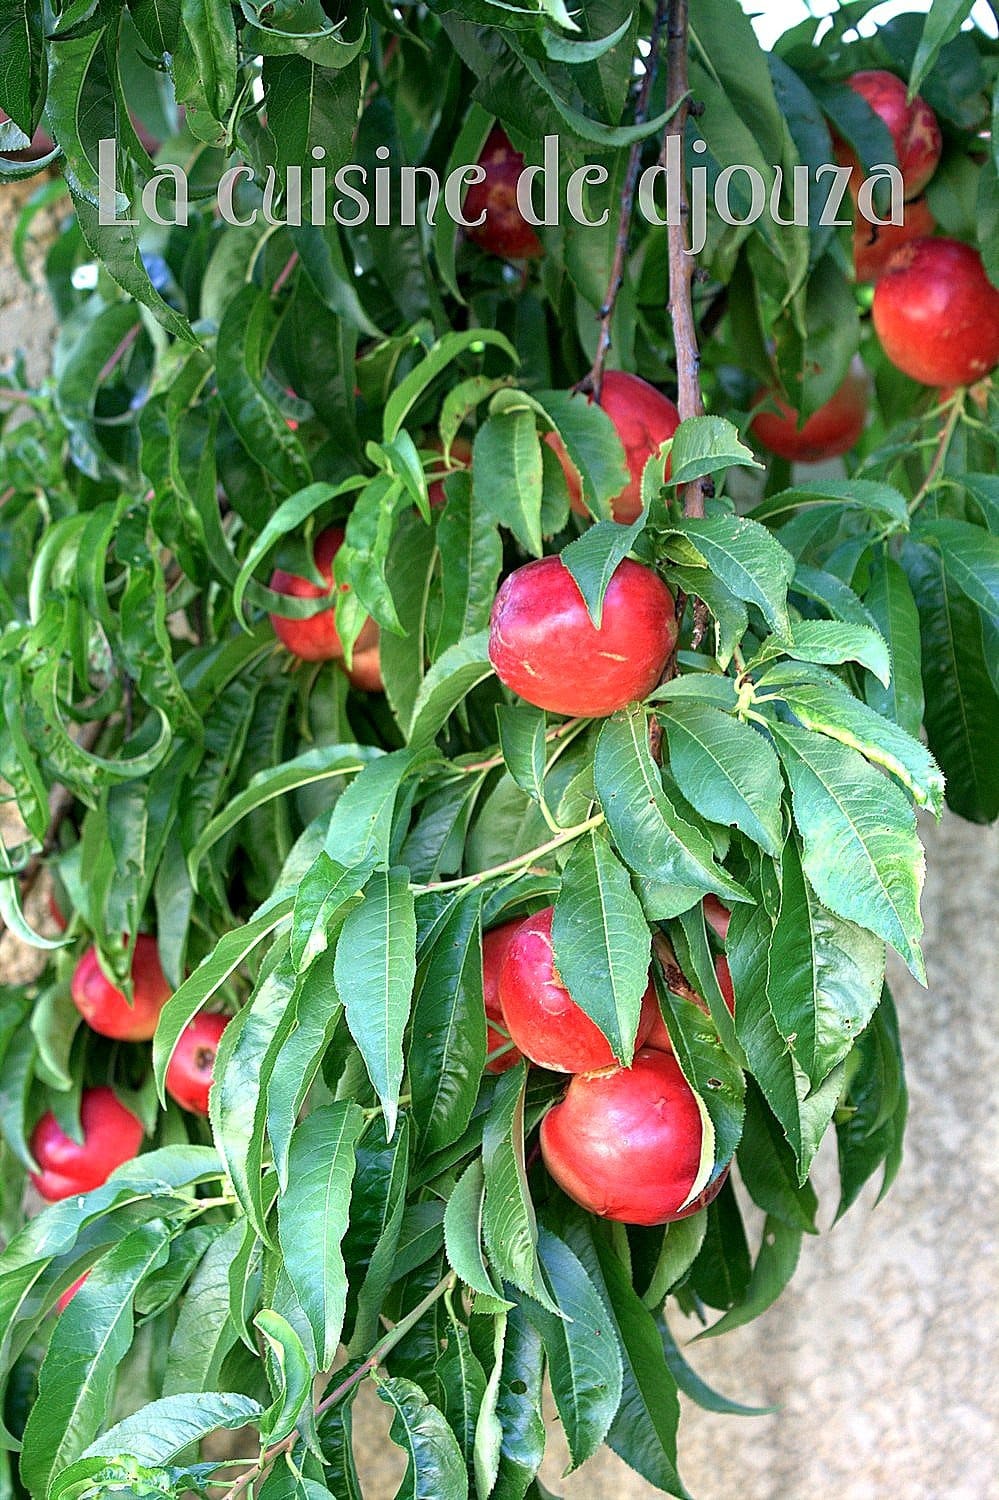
x,y
320,861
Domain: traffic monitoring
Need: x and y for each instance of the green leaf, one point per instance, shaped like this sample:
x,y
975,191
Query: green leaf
x,y
768,1168
584,1356
463,1229
772,1270
435,1468
643,1432
325,895
832,642
970,557
449,680
803,1112
593,558
601,941
522,742
861,853
726,769
204,1331
211,974
749,561
246,1058
871,1122
889,599
826,974
651,837
361,826
161,1431
89,1342
205,65
510,1227
462,1382
295,1373
449,1030
506,474
592,443
471,557
831,709
312,1218
21,61
944,19
866,495
962,706
374,971
691,1384
444,352
248,327
707,445
712,1074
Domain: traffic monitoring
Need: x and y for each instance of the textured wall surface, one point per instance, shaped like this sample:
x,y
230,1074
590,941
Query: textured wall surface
x,y
882,1354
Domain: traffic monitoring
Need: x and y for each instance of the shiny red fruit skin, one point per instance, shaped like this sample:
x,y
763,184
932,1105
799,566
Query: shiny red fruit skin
x,y
545,647
71,1292
913,126
834,429
494,948
366,671
937,313
626,1143
504,231
875,244
716,915
541,1016
111,1135
316,639
106,1009
189,1072
724,976
644,419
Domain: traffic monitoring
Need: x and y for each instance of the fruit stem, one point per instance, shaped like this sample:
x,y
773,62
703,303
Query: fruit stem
x,y
592,383
566,836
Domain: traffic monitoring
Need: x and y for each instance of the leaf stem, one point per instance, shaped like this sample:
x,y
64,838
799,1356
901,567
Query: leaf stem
x,y
943,447
481,876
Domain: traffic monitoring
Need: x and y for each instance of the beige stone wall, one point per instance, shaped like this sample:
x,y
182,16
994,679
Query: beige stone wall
x,y
883,1355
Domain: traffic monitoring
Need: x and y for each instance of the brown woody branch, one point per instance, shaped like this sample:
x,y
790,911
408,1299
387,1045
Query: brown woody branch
x,y
681,262
592,382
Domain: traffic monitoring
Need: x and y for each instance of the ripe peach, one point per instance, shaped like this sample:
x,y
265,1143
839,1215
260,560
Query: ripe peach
x,y
875,244
316,639
541,1016
545,647
504,231
937,313
644,419
629,1143
834,429
913,127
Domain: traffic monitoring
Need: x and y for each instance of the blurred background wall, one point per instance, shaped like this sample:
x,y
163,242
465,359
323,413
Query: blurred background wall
x,y
883,1354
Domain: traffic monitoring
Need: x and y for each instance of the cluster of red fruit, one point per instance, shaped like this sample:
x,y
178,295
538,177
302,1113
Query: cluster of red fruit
x,y
935,310
316,638
111,1134
625,1143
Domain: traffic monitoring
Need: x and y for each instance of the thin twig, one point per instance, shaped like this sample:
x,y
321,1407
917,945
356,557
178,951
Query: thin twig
x,y
118,354
378,1353
592,382
943,448
681,262
681,270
